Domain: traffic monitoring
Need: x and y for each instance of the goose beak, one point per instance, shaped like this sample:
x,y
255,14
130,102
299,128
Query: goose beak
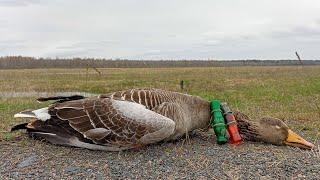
x,y
295,140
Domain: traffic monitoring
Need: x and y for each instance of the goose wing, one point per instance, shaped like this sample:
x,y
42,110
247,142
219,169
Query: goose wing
x,y
113,122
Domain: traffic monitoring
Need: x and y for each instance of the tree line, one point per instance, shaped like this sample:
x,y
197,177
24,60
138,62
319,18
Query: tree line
x,y
20,62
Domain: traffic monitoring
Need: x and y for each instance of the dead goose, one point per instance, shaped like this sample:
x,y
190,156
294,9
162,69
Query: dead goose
x,y
137,117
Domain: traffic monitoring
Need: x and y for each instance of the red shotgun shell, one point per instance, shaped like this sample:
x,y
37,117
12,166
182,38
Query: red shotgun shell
x,y
232,127
233,131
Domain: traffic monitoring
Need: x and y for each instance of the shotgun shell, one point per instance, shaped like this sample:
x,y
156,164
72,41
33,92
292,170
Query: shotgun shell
x,y
217,122
234,136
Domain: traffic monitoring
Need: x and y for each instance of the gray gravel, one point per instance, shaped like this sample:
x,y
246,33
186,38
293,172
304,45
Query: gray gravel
x,y
202,158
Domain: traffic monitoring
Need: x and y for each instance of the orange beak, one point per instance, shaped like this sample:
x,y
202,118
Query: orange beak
x,y
295,140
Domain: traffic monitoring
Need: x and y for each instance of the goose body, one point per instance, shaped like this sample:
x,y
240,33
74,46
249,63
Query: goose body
x,y
119,120
132,118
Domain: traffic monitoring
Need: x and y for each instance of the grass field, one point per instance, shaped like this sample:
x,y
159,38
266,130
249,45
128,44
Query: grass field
x,y
289,93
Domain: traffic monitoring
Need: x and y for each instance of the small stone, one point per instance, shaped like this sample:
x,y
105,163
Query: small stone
x,y
72,170
99,176
15,174
28,161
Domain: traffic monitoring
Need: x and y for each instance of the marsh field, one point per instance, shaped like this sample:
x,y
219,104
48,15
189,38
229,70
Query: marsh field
x,y
291,93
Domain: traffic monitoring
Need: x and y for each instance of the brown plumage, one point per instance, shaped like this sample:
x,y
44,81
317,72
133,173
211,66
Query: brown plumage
x,y
133,118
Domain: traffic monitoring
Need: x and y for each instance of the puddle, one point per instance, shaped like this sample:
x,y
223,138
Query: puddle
x,y
43,94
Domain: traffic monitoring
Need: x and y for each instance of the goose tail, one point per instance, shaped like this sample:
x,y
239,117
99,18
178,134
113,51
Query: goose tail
x,y
41,114
61,134
38,129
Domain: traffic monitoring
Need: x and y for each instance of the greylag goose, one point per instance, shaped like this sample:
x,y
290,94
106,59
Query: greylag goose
x,y
137,117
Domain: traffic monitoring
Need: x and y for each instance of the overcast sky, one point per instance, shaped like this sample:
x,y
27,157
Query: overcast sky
x,y
162,29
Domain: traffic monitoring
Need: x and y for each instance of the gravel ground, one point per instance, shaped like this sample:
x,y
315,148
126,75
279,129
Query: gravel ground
x,y
201,158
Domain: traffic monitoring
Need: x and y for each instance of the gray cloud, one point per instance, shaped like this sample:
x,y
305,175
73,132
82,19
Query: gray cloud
x,y
15,3
299,31
68,53
88,45
82,49
3,23
160,29
12,46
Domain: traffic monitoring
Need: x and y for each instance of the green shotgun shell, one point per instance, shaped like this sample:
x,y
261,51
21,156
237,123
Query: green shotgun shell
x,y
217,122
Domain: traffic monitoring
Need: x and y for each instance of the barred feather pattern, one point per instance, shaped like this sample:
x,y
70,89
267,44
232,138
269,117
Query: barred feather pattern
x,y
113,127
150,98
188,112
195,108
248,128
123,119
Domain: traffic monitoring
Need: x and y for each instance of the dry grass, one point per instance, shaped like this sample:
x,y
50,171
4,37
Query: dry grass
x,y
290,93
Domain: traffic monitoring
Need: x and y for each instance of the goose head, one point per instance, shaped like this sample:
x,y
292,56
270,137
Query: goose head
x,y
276,132
273,131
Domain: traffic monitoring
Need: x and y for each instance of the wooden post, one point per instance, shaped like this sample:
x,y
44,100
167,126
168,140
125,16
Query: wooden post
x,y
181,84
299,58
